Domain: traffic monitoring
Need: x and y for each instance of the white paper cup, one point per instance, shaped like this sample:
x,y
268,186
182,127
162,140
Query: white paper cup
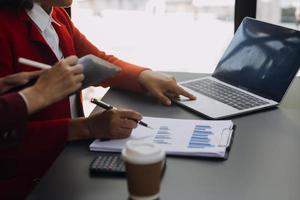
x,y
143,163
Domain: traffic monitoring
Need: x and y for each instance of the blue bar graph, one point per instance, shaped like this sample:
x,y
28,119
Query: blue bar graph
x,y
163,136
200,137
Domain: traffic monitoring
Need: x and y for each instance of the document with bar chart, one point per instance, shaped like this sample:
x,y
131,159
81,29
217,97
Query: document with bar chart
x,y
179,137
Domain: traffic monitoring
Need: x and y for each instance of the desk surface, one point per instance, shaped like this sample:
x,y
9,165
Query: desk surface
x,y
264,162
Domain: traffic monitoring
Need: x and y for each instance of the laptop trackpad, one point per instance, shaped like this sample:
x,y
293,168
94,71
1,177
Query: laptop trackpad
x,y
207,106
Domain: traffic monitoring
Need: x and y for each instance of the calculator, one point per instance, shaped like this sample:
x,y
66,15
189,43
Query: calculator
x,y
110,164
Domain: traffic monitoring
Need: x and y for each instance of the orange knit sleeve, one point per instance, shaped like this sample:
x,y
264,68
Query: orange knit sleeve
x,y
126,79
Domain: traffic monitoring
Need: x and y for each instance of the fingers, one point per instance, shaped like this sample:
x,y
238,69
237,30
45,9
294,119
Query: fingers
x,y
33,74
77,69
121,133
128,120
15,80
77,86
67,62
79,78
71,60
163,87
172,94
129,123
71,69
129,114
21,78
163,98
180,91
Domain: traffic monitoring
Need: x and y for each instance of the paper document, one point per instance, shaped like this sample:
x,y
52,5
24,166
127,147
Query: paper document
x,y
178,137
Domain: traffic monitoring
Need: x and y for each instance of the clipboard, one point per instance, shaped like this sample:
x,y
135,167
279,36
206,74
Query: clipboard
x,y
180,137
230,142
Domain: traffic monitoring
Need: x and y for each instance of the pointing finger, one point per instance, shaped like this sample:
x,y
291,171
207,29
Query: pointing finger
x,y
181,91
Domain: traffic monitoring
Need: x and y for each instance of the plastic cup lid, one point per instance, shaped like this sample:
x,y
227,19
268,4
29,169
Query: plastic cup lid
x,y
141,152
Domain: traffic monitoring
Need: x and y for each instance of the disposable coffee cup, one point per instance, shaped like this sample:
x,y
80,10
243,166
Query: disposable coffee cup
x,y
143,161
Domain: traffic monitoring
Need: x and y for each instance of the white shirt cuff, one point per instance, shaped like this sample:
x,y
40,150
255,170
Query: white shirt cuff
x,y
25,99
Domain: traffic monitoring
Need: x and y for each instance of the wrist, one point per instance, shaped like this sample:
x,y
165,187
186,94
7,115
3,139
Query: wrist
x,y
35,99
143,75
78,129
142,78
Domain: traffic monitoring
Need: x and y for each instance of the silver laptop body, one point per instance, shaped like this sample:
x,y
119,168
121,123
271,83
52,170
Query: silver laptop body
x,y
253,74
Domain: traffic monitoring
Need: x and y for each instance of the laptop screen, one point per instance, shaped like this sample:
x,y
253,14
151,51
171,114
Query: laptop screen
x,y
261,58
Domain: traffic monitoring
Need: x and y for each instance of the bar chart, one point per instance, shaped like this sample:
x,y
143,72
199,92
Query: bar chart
x,y
201,137
163,136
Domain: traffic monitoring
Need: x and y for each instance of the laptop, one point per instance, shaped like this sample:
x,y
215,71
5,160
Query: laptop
x,y
254,72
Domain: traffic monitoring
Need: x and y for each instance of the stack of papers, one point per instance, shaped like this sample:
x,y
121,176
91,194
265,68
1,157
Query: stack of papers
x,y
178,137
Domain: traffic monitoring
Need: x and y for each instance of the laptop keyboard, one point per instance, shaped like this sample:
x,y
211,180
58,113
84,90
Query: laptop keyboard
x,y
224,94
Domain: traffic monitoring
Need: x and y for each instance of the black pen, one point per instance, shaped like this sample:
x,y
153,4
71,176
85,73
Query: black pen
x,y
108,107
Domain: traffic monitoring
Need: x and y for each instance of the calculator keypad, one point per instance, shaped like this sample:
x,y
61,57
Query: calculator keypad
x,y
108,163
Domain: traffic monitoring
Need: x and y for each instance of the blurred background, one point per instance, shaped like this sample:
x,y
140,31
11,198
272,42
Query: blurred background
x,y
169,35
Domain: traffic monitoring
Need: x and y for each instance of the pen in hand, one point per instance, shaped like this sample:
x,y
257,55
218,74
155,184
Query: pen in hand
x,y
33,63
108,107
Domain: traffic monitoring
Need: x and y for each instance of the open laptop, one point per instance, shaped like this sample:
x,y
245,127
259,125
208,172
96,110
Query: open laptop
x,y
254,73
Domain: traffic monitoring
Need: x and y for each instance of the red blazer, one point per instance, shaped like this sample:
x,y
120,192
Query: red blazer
x,y
13,107
46,131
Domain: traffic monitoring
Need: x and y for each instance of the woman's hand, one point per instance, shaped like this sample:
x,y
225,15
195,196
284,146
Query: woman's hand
x,y
110,124
113,123
54,84
162,86
10,81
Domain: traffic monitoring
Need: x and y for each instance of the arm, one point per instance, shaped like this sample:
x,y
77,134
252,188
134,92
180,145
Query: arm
x,y
13,112
127,79
40,144
61,80
6,53
132,77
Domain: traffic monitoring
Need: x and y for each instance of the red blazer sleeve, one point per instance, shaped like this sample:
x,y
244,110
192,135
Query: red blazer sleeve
x,y
41,144
13,115
127,79
31,157
6,53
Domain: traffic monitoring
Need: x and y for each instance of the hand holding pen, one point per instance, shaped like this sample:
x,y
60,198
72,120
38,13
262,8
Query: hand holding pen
x,y
108,107
113,123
